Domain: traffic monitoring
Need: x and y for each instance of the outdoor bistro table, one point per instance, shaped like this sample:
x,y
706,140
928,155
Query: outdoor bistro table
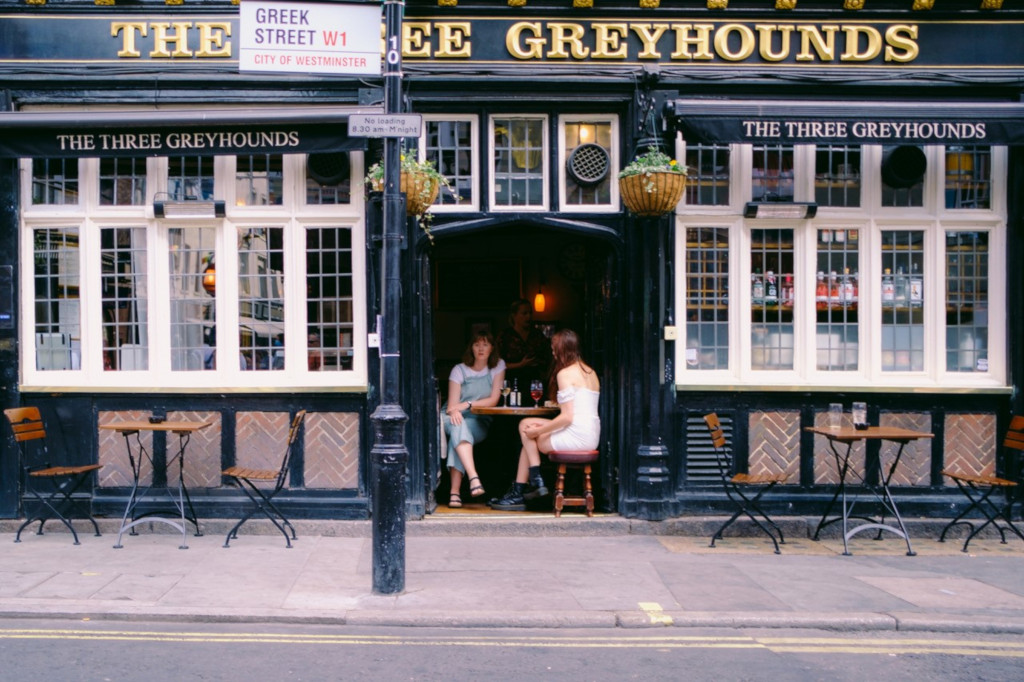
x,y
517,411
184,431
849,436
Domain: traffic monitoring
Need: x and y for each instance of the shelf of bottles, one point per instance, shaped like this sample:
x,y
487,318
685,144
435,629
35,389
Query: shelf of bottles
x,y
967,301
901,290
837,299
707,297
772,296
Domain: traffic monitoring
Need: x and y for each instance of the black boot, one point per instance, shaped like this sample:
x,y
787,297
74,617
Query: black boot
x,y
535,488
512,500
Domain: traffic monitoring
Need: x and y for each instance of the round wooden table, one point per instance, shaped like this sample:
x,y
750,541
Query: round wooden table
x,y
517,411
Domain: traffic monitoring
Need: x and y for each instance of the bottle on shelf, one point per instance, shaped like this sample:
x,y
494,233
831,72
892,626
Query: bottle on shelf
x,y
916,288
900,287
888,289
821,292
771,289
833,290
757,288
787,291
846,291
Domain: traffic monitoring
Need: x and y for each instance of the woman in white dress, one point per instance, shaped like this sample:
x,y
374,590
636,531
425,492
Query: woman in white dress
x,y
577,426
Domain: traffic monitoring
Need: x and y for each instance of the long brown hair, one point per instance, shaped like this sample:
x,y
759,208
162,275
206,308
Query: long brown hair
x,y
565,351
492,359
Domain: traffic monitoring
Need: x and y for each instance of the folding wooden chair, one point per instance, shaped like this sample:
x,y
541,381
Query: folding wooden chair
x,y
979,490
57,503
745,490
262,500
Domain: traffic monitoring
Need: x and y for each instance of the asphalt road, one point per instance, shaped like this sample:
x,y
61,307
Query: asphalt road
x,y
70,650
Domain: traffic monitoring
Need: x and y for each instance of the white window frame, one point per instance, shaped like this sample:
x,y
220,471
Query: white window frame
x,y
545,172
613,163
474,132
871,219
293,214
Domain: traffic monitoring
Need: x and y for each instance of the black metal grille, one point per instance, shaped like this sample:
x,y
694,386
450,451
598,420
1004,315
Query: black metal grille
x,y
588,164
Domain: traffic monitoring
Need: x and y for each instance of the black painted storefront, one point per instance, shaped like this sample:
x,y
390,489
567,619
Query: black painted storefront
x,y
628,299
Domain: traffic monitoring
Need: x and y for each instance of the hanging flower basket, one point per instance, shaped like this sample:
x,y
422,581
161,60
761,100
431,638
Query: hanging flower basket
x,y
652,193
420,190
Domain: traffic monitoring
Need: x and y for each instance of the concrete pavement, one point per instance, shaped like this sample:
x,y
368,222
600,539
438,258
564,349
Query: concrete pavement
x,y
521,571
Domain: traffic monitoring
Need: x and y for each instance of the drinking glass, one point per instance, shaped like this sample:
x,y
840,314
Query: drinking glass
x,y
835,415
505,390
536,392
860,415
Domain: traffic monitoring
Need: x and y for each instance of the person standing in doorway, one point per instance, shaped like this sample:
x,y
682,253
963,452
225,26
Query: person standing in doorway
x,y
475,381
524,348
577,426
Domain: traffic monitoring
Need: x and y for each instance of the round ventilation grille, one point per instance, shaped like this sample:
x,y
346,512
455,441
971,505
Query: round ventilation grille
x,y
588,164
328,169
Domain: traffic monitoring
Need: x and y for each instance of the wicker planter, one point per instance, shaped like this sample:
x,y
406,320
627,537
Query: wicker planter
x,y
420,191
652,194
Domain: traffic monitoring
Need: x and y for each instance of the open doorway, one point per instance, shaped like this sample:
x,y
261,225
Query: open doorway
x,y
475,278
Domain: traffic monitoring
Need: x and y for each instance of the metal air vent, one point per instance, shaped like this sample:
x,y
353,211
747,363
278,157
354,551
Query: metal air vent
x,y
588,164
328,169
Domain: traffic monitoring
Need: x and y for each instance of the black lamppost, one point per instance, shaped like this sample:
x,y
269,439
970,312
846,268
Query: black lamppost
x,y
389,455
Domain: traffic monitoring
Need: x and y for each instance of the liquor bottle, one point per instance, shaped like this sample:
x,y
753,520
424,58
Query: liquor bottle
x,y
821,292
514,398
833,290
757,288
900,287
916,288
846,293
788,293
888,289
771,296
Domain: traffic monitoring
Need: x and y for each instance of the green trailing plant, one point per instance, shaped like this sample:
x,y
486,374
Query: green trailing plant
x,y
420,195
654,161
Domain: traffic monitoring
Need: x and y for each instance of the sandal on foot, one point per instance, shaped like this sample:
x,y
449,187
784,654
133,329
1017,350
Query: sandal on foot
x,y
455,501
476,489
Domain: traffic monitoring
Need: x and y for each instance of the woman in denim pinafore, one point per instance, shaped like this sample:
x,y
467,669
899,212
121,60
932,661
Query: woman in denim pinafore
x,y
475,381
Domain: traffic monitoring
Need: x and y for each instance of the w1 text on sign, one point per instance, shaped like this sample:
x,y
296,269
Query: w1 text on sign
x,y
306,37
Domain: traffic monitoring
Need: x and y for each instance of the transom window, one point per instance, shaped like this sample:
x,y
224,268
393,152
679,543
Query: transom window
x,y
589,159
450,143
519,163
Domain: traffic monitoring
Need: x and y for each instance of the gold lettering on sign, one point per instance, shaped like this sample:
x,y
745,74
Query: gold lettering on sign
x,y
563,35
415,39
162,37
746,42
127,29
535,44
872,49
608,41
454,39
649,35
824,46
211,39
901,37
765,34
695,35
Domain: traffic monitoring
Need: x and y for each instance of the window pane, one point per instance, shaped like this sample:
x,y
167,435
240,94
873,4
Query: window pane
x,y
58,313
836,299
125,299
837,176
967,301
190,177
902,298
122,182
259,180
772,297
968,177
519,162
329,298
589,164
772,173
450,147
328,179
904,170
707,298
55,181
707,181
261,298
192,288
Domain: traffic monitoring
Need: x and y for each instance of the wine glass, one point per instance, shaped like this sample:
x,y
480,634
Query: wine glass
x,y
536,391
505,390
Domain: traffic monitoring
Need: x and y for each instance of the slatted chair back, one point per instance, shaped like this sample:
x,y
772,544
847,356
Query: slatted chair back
x,y
26,423
1015,434
293,435
722,456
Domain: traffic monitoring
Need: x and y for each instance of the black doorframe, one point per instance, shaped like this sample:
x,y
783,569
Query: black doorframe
x,y
423,386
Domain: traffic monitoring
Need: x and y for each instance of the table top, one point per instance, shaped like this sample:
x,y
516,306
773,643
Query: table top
x,y
517,411
175,426
848,434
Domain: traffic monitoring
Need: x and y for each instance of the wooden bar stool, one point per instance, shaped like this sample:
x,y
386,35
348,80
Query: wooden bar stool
x,y
574,459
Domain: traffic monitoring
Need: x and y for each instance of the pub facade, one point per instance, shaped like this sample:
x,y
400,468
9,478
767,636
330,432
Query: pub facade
x,y
187,233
